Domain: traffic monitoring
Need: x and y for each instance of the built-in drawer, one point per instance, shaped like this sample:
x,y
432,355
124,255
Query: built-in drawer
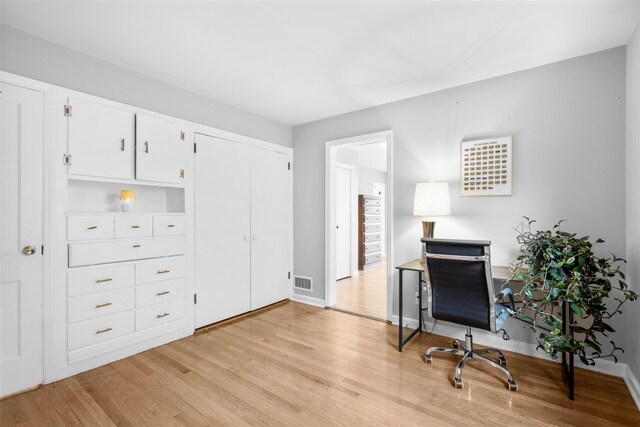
x,y
159,314
372,202
373,258
123,250
370,238
101,329
371,248
99,304
156,293
372,210
134,226
99,279
89,227
159,269
372,228
168,225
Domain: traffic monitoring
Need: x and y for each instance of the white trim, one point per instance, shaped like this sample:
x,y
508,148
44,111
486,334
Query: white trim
x,y
632,384
304,299
330,217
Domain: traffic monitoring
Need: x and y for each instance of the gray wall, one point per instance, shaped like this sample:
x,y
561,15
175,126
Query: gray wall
x,y
633,199
366,178
30,56
567,120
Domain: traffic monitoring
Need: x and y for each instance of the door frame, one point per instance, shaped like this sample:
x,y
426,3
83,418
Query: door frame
x,y
353,217
48,204
331,159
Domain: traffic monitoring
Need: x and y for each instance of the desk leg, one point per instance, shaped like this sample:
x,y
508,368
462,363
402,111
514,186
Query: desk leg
x,y
420,300
400,311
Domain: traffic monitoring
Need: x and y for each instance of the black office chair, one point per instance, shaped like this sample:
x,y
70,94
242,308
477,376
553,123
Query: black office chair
x,y
460,290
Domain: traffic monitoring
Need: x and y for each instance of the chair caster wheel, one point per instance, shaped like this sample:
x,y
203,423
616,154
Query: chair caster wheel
x,y
455,345
502,361
512,385
427,360
457,382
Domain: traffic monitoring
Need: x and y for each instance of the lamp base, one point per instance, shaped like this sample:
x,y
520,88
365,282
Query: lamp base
x,y
427,233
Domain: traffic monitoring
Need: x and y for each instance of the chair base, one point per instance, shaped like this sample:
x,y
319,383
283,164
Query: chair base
x,y
468,353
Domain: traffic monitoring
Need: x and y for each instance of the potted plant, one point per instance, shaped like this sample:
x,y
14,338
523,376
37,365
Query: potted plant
x,y
558,268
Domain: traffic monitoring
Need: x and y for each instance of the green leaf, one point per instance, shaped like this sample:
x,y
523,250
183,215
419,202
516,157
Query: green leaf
x,y
577,309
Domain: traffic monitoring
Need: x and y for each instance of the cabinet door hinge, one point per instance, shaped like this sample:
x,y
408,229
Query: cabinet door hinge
x,y
181,136
195,298
66,159
67,110
181,173
289,166
194,147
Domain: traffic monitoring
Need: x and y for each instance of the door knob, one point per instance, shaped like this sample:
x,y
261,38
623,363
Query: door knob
x,y
254,237
29,250
245,238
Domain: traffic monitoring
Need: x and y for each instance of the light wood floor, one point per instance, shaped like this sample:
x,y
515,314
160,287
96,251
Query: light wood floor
x,y
365,294
301,365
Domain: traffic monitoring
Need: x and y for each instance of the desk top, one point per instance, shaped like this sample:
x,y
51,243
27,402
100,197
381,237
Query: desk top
x,y
501,272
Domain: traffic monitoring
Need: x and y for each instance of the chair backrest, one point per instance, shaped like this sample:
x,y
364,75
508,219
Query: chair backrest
x,y
459,283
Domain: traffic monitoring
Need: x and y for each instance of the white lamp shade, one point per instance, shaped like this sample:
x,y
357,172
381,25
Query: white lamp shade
x,y
432,199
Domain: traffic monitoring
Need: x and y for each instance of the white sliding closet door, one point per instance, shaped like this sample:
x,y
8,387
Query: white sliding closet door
x,y
270,248
222,224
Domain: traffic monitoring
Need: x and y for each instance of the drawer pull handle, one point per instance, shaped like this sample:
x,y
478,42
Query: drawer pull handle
x,y
102,331
104,280
135,226
163,271
162,293
106,304
122,144
162,315
171,225
136,246
93,227
146,146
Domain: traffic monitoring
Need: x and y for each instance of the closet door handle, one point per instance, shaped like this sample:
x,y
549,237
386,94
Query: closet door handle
x,y
146,146
122,144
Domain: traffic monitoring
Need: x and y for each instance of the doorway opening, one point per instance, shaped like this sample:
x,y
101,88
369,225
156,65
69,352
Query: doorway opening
x,y
358,225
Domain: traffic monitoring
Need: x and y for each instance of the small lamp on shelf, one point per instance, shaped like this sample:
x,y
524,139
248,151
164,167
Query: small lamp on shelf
x,y
431,200
127,199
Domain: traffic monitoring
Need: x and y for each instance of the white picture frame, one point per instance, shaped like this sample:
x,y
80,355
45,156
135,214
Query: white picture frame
x,y
486,167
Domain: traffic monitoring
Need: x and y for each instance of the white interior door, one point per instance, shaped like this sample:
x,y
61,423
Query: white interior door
x,y
270,249
222,225
161,150
21,232
379,190
101,140
343,222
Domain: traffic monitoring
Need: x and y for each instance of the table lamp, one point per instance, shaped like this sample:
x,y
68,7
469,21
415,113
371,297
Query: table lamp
x,y
431,200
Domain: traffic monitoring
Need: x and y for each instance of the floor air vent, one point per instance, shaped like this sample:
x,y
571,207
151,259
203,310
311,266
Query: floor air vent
x,y
304,283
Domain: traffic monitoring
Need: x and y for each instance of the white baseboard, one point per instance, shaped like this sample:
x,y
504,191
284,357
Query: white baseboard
x,y
632,384
604,366
304,299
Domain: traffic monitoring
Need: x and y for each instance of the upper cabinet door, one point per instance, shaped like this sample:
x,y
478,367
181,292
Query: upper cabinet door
x,y
100,140
161,150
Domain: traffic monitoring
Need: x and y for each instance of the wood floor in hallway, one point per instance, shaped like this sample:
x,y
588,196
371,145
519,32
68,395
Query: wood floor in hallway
x,y
365,294
301,365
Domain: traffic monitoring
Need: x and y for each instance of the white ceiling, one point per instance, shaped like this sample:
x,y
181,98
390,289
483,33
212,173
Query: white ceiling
x,y
296,62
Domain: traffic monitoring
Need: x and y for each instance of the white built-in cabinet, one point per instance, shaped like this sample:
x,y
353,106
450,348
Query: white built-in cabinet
x,y
101,140
242,247
110,142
